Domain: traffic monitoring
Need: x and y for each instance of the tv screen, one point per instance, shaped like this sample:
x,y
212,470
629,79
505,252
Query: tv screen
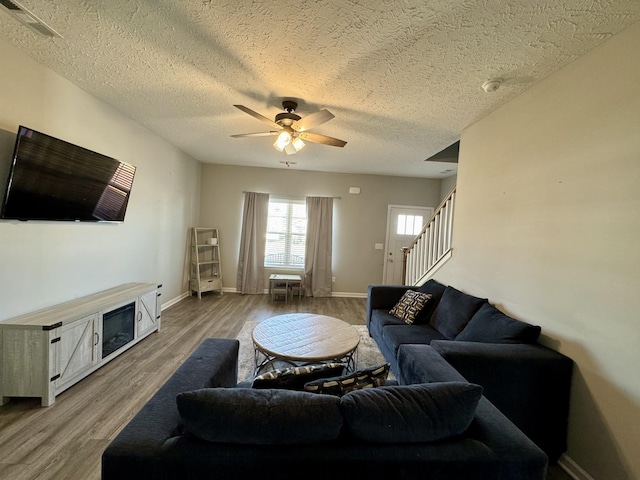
x,y
51,179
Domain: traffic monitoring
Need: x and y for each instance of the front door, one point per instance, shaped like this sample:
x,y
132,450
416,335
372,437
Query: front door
x,y
404,222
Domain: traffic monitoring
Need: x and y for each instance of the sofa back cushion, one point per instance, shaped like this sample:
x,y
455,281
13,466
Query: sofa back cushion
x,y
435,289
454,311
490,325
261,417
410,413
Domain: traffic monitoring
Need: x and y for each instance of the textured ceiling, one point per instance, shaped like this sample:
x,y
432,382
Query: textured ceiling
x,y
403,78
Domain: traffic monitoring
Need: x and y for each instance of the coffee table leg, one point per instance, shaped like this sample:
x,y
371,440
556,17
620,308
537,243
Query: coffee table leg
x,y
264,360
261,360
351,360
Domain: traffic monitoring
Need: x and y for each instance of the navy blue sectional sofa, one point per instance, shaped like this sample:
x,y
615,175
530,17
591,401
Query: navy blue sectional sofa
x,y
527,381
201,425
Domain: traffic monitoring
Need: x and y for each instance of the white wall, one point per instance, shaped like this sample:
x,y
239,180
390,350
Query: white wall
x,y
548,227
359,220
44,263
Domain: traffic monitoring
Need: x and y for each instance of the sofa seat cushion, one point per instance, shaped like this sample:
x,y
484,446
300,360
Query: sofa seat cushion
x,y
260,417
410,413
395,335
490,325
381,318
454,311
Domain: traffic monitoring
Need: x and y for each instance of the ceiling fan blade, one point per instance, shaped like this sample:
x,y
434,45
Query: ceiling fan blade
x,y
313,120
262,118
259,134
290,149
317,138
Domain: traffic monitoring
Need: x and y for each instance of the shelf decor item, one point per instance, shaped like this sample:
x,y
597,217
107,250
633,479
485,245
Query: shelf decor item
x,y
205,273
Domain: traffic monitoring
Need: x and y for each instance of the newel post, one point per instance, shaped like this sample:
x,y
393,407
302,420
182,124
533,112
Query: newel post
x,y
405,252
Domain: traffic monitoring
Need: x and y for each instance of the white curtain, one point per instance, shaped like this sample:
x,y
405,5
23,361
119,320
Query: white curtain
x,y
317,265
252,243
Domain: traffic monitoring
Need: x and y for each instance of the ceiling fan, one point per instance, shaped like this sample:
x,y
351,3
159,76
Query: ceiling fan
x,y
292,129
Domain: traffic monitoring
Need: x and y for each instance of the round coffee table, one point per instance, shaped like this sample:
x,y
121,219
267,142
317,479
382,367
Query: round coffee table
x,y
302,339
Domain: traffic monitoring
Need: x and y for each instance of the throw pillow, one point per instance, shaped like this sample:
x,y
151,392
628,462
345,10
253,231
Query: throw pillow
x,y
410,305
260,417
294,378
490,325
435,289
454,312
338,386
424,412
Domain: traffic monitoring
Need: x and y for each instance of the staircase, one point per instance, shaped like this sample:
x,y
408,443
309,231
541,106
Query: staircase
x,y
432,246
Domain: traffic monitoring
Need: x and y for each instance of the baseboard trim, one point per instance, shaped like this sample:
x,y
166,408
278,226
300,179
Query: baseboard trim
x,y
333,294
348,295
574,470
173,301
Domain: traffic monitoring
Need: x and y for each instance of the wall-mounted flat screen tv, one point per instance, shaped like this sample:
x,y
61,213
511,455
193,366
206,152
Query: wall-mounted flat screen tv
x,y
51,179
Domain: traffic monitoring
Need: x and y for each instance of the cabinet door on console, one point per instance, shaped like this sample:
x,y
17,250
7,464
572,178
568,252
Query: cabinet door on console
x,y
147,316
77,350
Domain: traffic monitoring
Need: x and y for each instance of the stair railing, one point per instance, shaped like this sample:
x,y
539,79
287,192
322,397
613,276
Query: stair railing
x,y
432,246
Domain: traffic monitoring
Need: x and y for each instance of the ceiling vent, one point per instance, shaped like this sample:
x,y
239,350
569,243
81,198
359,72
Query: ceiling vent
x,y
28,18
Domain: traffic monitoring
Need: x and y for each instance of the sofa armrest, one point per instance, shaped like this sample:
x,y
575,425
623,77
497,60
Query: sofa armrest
x,y
383,297
213,364
529,383
422,364
521,458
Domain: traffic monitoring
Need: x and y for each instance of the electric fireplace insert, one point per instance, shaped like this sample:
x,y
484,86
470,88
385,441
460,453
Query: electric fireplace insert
x,y
117,328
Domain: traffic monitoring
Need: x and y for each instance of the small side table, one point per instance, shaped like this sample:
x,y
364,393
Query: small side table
x,y
279,283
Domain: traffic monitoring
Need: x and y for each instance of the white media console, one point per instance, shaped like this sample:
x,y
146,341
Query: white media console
x,y
45,352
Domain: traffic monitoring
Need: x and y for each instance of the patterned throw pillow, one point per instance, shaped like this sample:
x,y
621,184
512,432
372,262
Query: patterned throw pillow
x,y
409,306
294,378
339,386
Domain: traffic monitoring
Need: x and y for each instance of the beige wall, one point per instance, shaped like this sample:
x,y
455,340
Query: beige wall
x,y
359,220
44,263
446,185
548,227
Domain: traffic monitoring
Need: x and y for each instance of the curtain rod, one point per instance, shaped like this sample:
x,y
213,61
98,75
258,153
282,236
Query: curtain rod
x,y
294,196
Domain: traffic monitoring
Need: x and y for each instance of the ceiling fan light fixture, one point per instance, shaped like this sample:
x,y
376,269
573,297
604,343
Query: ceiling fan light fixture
x,y
298,144
292,130
282,141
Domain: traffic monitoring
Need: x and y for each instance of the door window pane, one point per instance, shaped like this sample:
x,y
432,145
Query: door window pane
x,y
409,224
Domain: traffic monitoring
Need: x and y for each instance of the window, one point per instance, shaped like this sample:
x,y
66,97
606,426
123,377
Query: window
x,y
286,233
409,224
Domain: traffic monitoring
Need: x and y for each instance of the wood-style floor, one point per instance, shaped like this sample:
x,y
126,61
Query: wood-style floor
x,y
65,441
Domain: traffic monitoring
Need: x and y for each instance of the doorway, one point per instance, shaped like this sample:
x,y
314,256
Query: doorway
x,y
404,222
